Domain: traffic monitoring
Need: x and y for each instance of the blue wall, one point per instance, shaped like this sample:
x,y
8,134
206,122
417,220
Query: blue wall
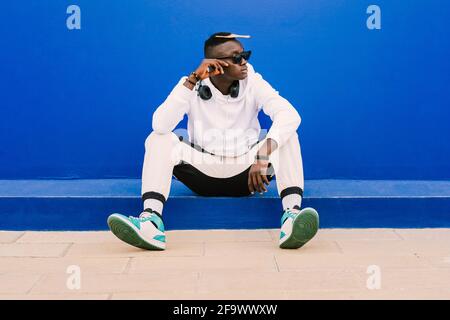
x,y
78,103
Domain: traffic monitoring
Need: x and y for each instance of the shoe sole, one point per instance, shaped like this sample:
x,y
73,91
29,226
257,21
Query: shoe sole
x,y
304,228
127,234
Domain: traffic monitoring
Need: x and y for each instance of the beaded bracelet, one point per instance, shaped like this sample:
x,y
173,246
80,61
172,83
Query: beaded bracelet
x,y
196,76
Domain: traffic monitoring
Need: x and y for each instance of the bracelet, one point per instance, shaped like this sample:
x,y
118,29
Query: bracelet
x,y
195,75
259,157
190,81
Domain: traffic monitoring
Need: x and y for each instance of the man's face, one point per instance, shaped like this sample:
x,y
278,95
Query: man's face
x,y
229,49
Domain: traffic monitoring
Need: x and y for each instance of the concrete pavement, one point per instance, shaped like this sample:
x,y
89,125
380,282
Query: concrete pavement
x,y
228,264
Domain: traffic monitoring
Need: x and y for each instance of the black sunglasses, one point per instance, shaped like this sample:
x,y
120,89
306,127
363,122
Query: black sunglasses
x,y
237,58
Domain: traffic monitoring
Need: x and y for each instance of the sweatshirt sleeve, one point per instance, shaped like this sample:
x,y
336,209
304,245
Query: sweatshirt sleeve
x,y
285,119
172,110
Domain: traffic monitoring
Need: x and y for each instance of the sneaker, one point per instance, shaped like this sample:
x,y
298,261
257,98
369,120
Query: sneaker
x,y
145,232
298,227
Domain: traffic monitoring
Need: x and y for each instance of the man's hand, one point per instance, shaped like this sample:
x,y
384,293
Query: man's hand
x,y
218,65
257,176
258,173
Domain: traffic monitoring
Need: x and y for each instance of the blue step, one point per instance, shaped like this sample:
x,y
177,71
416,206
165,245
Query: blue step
x,y
86,204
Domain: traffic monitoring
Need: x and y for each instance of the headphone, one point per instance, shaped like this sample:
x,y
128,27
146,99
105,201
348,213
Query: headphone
x,y
205,92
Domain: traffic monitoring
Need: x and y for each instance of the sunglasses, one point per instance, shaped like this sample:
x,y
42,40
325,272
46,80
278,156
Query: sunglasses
x,y
237,58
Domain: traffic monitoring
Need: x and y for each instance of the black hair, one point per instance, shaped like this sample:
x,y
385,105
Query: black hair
x,y
211,42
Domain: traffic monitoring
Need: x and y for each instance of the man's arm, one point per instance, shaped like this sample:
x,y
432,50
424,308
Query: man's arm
x,y
172,110
269,146
285,119
257,176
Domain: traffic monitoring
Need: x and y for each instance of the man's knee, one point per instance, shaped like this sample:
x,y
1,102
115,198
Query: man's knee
x,y
156,140
294,136
293,139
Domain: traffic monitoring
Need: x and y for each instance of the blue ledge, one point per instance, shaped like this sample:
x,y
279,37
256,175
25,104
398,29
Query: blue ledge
x,y
85,205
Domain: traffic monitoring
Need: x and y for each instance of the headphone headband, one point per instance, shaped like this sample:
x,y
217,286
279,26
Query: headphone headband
x,y
205,92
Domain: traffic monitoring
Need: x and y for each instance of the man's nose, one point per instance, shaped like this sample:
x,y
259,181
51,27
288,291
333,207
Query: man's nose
x,y
243,62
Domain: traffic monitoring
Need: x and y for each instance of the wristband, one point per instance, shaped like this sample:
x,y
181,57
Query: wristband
x,y
259,157
193,83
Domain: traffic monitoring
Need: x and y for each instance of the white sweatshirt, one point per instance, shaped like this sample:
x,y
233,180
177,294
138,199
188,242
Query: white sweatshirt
x,y
224,125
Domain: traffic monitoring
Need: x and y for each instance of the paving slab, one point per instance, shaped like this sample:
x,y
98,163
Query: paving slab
x,y
332,261
55,296
280,281
169,282
33,249
315,246
357,234
120,249
30,265
17,283
10,236
67,237
218,236
216,263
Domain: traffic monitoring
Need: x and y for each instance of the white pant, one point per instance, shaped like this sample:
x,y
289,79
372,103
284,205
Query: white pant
x,y
165,153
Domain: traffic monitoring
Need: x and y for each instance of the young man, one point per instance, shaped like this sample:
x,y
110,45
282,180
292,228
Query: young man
x,y
224,155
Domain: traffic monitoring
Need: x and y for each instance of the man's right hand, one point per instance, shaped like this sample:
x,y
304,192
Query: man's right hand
x,y
202,70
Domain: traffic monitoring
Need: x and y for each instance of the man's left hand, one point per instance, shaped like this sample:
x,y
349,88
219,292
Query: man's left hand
x,y
257,176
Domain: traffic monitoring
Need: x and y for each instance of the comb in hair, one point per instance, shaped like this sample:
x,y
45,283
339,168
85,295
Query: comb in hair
x,y
233,35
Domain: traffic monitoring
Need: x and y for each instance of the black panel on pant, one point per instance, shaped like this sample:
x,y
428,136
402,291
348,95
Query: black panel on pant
x,y
204,185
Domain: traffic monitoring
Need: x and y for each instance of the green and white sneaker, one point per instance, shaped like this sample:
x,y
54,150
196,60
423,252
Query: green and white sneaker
x,y
145,232
298,227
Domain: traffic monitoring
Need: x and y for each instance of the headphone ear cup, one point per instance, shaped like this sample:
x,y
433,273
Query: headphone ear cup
x,y
204,92
234,90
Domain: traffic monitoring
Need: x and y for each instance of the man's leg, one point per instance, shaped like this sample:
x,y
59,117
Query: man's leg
x,y
297,226
288,166
147,230
159,160
162,153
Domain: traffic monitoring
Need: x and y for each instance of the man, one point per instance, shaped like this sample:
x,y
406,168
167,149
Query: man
x,y
224,155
